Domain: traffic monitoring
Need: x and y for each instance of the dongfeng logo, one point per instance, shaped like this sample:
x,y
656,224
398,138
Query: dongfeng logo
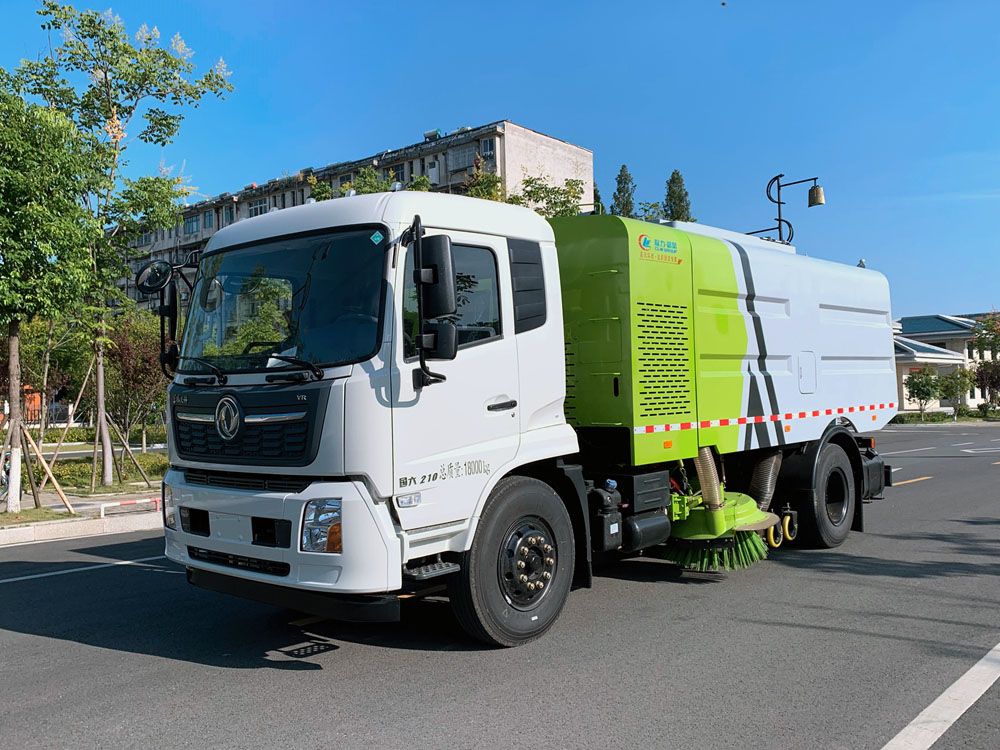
x,y
228,417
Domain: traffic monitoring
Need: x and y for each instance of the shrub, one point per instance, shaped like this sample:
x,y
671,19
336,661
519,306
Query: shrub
x,y
911,418
963,410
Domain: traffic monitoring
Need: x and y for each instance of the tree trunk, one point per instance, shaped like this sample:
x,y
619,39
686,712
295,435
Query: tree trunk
x,y
143,437
44,400
14,395
103,433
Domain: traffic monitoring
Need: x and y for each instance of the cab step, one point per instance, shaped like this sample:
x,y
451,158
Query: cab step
x,y
430,570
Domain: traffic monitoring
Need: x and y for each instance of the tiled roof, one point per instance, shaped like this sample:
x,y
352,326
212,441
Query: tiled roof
x,y
910,349
935,324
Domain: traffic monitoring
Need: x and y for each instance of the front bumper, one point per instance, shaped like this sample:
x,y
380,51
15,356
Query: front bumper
x,y
369,564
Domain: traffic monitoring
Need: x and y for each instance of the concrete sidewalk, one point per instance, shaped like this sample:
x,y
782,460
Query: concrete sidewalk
x,y
86,522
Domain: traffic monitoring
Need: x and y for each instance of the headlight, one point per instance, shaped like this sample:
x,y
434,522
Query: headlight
x,y
321,526
169,515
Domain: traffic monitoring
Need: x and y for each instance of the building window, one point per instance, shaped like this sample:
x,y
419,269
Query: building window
x,y
487,148
274,201
477,319
145,238
283,197
302,196
344,179
208,220
229,215
463,157
257,207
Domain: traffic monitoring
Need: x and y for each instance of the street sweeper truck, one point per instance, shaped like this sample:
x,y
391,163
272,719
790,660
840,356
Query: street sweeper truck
x,y
386,394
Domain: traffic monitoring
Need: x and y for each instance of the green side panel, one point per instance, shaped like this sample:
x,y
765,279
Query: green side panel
x,y
662,347
720,342
593,270
639,301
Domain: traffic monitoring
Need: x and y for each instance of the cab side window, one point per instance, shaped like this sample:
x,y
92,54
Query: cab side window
x,y
477,318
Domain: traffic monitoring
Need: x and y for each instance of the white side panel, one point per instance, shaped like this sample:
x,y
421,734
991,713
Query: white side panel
x,y
819,346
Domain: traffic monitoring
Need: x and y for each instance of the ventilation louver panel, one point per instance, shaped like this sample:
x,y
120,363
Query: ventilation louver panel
x,y
663,353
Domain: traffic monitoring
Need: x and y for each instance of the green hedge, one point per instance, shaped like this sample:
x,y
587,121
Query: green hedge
x,y
75,472
930,416
154,434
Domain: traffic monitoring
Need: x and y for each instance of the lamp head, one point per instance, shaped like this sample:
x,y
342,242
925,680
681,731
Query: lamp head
x,y
816,197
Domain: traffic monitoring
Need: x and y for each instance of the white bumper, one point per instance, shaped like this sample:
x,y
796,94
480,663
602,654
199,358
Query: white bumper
x,y
370,563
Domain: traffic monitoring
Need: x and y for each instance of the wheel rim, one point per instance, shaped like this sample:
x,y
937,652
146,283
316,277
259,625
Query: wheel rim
x,y
836,497
527,562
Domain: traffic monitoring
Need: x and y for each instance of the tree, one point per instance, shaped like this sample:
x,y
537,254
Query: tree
x,y
650,211
623,200
47,166
319,191
421,184
676,205
986,338
954,385
922,386
138,389
549,200
368,181
483,183
598,204
106,81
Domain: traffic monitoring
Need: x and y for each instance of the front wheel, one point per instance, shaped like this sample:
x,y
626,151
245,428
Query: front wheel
x,y
516,577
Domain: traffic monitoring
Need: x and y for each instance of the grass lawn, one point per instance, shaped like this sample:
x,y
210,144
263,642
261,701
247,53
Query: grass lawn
x,y
29,515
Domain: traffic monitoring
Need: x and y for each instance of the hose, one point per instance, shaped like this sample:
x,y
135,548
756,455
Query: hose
x,y
765,479
708,477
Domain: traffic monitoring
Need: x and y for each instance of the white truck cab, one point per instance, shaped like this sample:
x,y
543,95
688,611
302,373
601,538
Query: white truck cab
x,y
335,481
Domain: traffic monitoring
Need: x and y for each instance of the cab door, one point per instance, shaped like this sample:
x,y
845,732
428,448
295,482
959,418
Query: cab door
x,y
450,437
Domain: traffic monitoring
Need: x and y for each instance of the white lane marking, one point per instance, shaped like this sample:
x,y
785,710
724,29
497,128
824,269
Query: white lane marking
x,y
898,468
935,720
980,450
80,570
995,440
956,445
911,450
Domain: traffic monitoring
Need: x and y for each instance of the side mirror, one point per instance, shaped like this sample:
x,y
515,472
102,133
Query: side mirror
x,y
440,341
435,279
168,310
154,276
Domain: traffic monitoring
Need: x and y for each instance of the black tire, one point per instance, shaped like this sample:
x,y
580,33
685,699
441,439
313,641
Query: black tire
x,y
826,517
488,597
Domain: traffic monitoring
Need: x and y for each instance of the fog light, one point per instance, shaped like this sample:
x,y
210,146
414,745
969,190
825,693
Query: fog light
x,y
321,531
169,512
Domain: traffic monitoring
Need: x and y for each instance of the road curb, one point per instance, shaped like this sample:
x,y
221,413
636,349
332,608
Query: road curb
x,y
49,530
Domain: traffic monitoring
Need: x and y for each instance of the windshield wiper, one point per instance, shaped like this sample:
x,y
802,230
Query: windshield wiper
x,y
220,376
304,363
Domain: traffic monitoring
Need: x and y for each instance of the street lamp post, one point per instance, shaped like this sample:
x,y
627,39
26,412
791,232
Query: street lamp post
x,y
816,198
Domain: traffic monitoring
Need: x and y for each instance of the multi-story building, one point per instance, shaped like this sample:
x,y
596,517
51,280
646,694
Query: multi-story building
x,y
942,341
510,150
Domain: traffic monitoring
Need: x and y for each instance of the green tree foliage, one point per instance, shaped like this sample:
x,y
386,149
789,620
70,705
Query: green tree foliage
x,y
483,183
955,385
922,386
651,211
319,191
549,200
986,340
598,204
623,200
676,204
368,181
421,184
120,90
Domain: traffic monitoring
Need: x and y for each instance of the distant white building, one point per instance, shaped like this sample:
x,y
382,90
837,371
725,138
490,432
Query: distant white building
x,y
945,343
506,148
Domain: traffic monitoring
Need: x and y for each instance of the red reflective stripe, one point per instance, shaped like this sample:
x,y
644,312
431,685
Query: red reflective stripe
x,y
861,408
666,428
829,411
802,415
705,424
758,419
775,417
881,406
649,428
789,416
816,413
687,425
741,420
849,408
840,411
723,423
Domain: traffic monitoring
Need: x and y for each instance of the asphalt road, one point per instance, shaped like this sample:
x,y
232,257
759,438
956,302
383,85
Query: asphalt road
x,y
811,649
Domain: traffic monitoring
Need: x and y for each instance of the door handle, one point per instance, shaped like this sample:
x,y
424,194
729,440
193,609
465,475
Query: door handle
x,y
502,406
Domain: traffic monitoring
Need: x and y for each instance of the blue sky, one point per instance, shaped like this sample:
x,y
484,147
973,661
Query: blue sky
x,y
895,105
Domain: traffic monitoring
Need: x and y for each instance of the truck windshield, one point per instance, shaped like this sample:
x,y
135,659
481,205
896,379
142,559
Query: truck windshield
x,y
317,298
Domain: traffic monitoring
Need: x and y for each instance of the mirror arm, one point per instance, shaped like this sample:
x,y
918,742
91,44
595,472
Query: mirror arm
x,y
163,339
422,275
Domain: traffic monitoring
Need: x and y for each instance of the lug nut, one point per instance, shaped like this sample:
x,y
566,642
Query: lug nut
x,y
532,540
523,578
546,575
547,548
524,550
520,564
539,585
549,561
531,587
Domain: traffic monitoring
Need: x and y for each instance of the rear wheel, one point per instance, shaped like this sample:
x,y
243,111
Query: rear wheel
x,y
516,576
829,513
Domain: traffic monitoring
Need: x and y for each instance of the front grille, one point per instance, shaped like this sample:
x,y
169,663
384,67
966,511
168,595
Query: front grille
x,y
286,441
254,482
255,564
